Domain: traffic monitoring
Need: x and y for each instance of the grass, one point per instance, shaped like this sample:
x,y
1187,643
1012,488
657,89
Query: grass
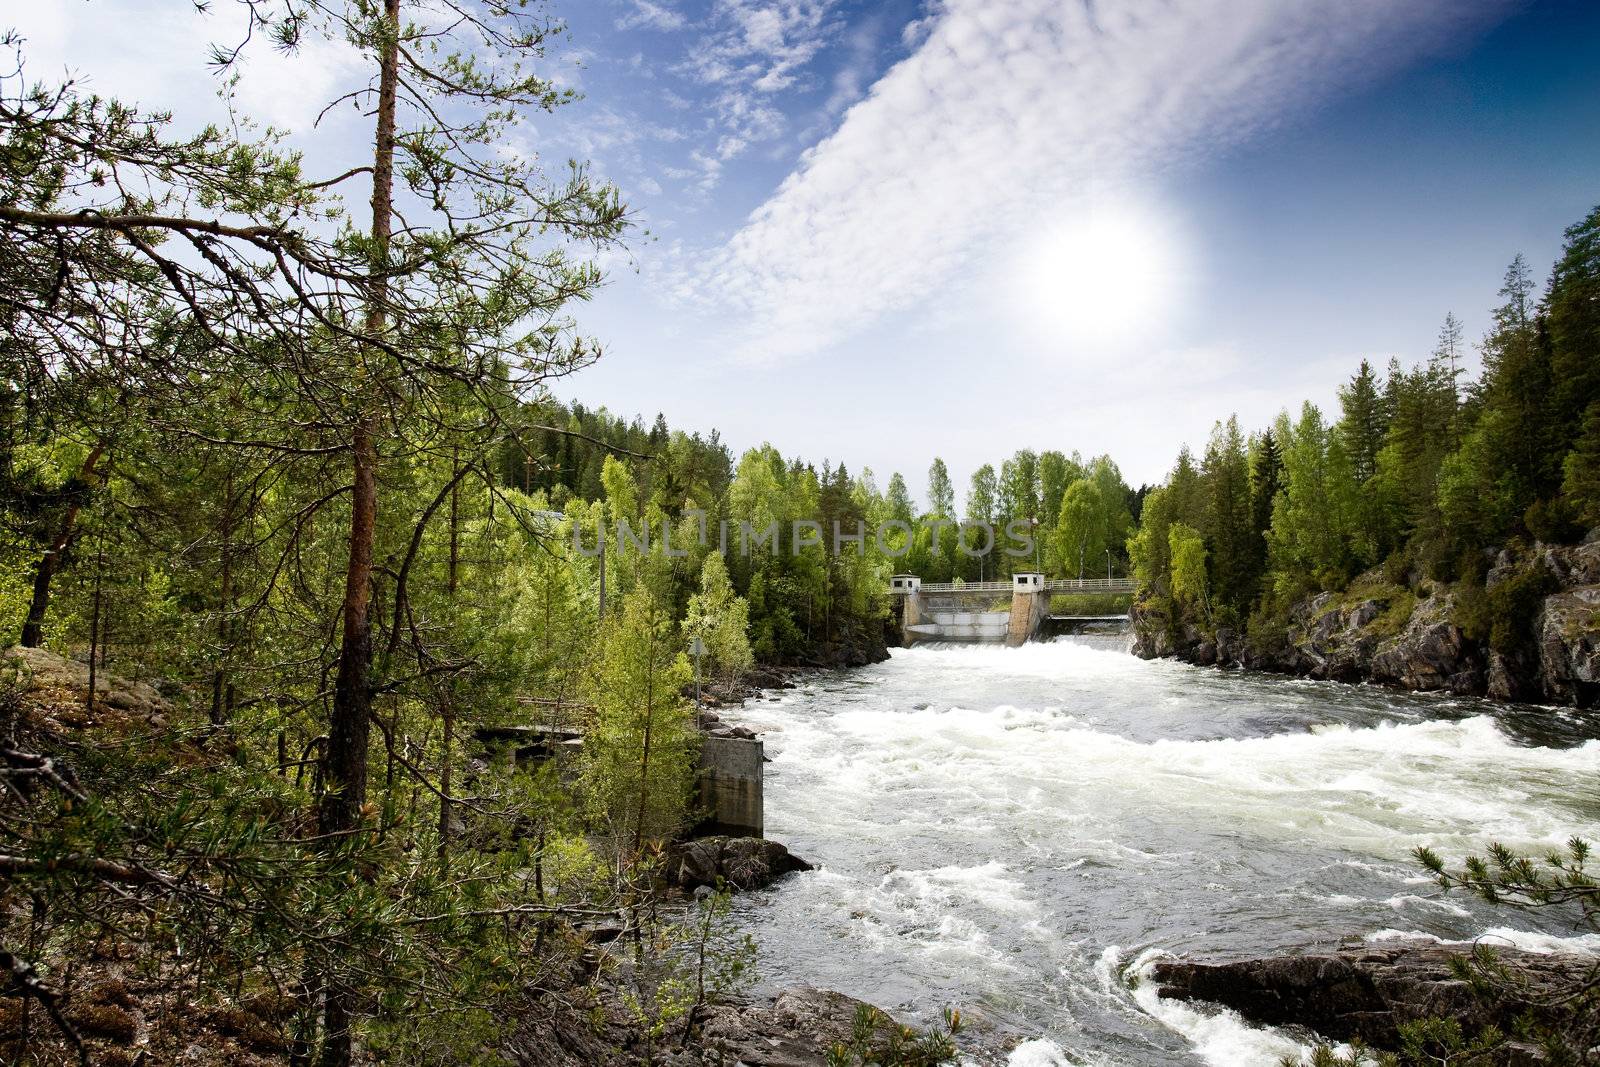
x,y
1398,603
1090,603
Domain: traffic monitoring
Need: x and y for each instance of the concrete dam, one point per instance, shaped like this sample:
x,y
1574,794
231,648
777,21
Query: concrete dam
x,y
980,612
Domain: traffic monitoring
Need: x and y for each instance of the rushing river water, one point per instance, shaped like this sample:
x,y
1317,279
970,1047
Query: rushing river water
x,y
1013,830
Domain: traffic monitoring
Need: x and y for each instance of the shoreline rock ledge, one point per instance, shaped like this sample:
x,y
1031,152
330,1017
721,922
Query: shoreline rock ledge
x,y
737,862
1368,991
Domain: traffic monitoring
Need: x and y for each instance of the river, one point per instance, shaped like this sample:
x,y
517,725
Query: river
x,y
1012,831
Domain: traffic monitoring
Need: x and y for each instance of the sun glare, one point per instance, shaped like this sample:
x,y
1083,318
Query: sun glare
x,y
1109,272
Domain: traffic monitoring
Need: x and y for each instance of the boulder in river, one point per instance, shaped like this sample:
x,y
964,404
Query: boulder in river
x,y
737,862
1367,992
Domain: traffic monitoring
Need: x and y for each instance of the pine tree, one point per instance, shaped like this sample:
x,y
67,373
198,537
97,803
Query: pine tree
x,y
1225,471
1362,425
1573,304
1582,482
1266,482
1448,351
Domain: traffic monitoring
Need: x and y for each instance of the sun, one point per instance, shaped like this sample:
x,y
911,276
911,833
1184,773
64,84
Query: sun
x,y
1104,273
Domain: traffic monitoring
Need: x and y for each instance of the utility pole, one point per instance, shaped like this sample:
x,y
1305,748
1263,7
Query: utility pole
x,y
697,648
602,537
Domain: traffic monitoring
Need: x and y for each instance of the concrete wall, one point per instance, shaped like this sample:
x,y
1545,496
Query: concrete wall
x,y
914,624
730,781
731,774
945,623
971,625
1027,612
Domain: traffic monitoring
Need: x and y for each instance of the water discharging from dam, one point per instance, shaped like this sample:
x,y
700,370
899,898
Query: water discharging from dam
x,y
1011,830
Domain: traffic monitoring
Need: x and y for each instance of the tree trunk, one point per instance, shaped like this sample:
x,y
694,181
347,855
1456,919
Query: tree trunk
x,y
449,710
219,675
50,562
345,762
649,723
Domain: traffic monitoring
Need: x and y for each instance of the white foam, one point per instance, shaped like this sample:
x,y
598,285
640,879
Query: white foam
x,y
1401,901
1039,1053
1220,1037
1531,941
1383,790
1026,791
1504,937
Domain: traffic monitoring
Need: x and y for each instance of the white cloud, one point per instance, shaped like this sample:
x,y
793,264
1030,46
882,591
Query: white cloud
x,y
650,15
752,51
1008,113
155,54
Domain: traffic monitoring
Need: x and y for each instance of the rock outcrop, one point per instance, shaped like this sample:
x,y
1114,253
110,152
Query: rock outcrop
x,y
1430,653
61,685
1569,646
1417,636
734,862
1367,992
796,1028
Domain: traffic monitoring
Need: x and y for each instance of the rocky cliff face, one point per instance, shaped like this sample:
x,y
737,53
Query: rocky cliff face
x,y
1422,638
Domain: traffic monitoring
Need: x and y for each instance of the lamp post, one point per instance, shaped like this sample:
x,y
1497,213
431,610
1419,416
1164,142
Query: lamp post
x,y
1108,564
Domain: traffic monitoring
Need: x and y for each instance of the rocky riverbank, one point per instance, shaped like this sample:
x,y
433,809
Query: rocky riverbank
x,y
1369,991
796,1028
1530,631
856,649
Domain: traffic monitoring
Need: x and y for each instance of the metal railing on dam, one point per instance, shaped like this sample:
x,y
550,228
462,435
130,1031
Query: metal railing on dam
x,y
1059,585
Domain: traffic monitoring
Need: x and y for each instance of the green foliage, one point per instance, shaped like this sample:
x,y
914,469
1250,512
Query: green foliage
x,y
720,619
1421,475
1090,603
1563,1024
1581,469
1560,879
702,959
639,752
1513,605
1358,1055
1234,542
941,496
878,1041
1188,551
1081,534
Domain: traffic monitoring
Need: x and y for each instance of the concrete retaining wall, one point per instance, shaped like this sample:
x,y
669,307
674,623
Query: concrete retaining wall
x,y
731,773
1027,612
970,625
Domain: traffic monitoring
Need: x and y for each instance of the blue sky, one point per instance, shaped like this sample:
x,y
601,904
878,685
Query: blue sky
x,y
883,231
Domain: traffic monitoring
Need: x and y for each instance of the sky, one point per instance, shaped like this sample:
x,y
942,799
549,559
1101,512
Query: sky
x,y
879,232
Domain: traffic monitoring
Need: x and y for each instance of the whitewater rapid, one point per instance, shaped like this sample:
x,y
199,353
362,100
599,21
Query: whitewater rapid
x,y
1015,832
